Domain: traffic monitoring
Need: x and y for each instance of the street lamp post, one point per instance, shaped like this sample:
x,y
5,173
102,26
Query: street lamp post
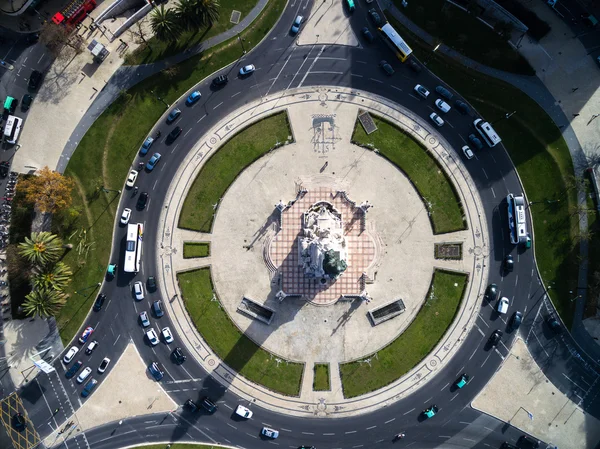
x,y
241,43
431,55
160,99
79,292
506,116
105,190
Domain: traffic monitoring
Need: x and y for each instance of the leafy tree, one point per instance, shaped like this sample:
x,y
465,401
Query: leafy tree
x,y
44,303
140,33
165,24
189,14
49,190
53,277
209,12
41,249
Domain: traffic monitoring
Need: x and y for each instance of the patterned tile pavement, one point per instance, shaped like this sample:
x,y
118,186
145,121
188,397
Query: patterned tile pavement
x,y
284,249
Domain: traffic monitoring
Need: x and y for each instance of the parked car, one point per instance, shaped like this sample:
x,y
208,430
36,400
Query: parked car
x,y
87,332
73,370
142,200
84,375
509,264
503,305
421,91
439,121
462,380
368,35
91,347
152,337
179,356
146,145
138,290
467,152
167,335
156,370
430,412
133,174
144,319
247,70
157,308
476,141
125,216
153,161
173,115
26,102
4,169
103,365
70,354
174,134
35,79
491,293
151,284
495,337
244,412
462,107
296,25
269,433
441,90
89,387
99,301
553,324
375,17
387,68
515,321
193,97
442,105
220,81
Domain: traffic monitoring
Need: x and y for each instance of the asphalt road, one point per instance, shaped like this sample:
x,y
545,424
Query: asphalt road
x,y
282,65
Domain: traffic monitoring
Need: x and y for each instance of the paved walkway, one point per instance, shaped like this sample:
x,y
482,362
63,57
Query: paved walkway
x,y
561,65
316,101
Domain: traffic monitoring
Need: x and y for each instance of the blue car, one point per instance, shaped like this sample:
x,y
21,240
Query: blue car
x,y
156,370
194,97
153,161
173,116
89,387
146,145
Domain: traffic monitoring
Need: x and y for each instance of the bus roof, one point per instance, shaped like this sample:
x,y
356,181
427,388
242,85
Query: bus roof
x,y
396,39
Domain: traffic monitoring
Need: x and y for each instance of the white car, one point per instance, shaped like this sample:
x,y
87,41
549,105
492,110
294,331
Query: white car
x,y
247,70
103,365
503,305
144,319
442,105
243,412
269,433
138,290
439,121
84,375
167,335
467,152
152,337
125,216
133,174
70,355
422,91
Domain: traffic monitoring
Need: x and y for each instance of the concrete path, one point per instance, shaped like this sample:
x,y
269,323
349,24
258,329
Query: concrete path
x,y
340,102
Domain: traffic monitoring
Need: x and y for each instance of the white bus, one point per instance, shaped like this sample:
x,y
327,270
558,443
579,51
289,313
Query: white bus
x,y
396,43
133,248
490,136
12,129
517,219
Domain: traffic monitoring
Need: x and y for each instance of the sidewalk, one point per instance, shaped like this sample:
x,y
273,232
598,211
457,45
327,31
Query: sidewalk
x,y
552,89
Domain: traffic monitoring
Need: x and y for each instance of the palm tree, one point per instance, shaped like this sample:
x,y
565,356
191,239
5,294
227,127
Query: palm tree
x,y
44,303
188,14
165,24
208,12
53,277
42,248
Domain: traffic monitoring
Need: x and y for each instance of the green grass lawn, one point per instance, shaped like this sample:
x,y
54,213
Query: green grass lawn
x,y
464,33
543,162
421,168
406,351
104,157
157,50
195,249
321,377
225,165
226,340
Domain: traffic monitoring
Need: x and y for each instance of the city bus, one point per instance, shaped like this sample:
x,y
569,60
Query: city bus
x,y
12,129
486,131
396,43
133,247
517,219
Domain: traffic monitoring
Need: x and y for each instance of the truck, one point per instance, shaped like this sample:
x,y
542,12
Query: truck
x,y
74,13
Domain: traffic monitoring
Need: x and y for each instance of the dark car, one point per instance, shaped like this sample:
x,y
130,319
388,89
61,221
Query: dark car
x,y
35,79
156,370
491,293
414,66
174,134
387,68
495,337
509,264
179,356
142,200
33,38
99,301
157,308
73,370
151,283
442,91
553,324
173,115
208,405
507,445
375,17
475,141
368,35
19,422
26,102
220,81
515,321
525,442
191,405
4,169
462,107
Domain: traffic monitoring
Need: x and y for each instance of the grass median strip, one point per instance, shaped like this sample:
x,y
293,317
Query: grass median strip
x,y
543,162
195,249
321,377
233,347
418,340
104,157
225,165
420,167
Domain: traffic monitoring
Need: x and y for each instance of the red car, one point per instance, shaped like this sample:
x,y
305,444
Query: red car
x,y
86,334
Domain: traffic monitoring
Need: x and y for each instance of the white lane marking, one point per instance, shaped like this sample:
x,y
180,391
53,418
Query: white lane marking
x,y
201,118
377,81
236,94
118,336
486,359
542,346
361,62
397,88
473,353
328,434
282,67
358,76
324,72
444,387
453,397
411,410
464,422
480,331
186,133
390,420
154,186
312,65
499,353
307,433
372,427
217,106
493,193
428,400
231,426
486,176
349,432
574,383
334,59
